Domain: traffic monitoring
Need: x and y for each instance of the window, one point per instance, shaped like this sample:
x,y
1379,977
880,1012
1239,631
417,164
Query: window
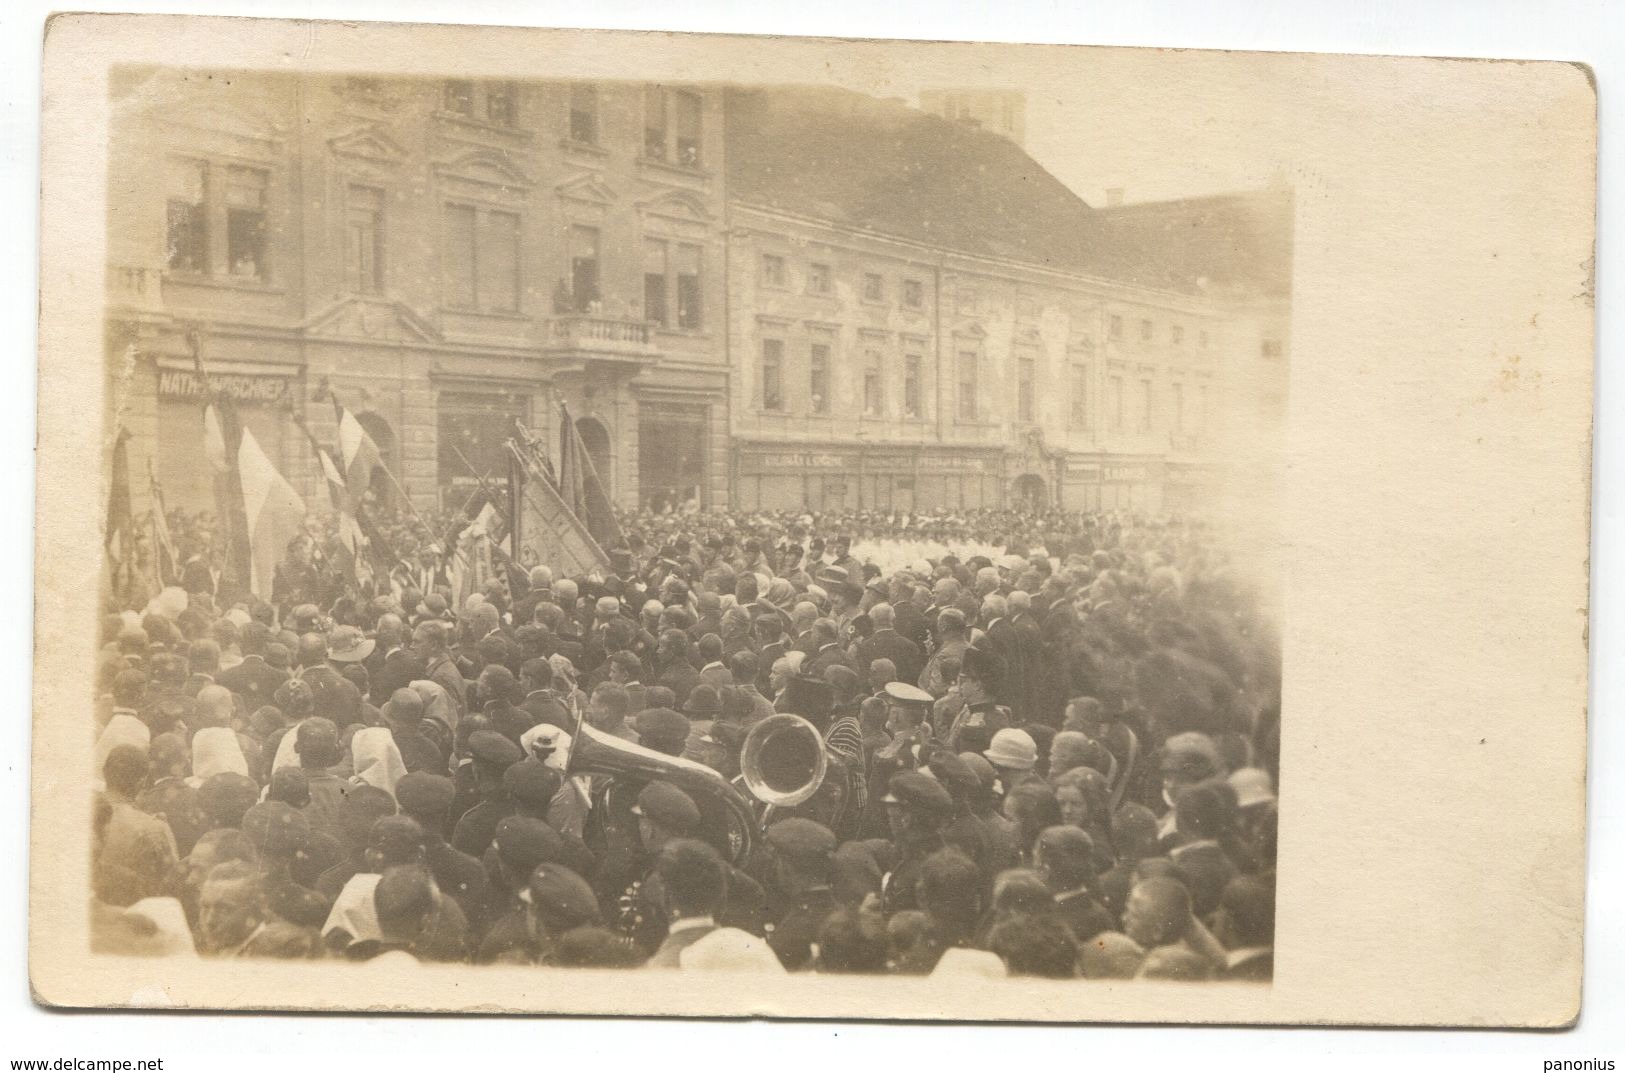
x,y
772,270
498,259
818,377
584,113
245,222
363,240
1025,371
690,298
688,119
1179,407
501,104
1270,348
1145,406
1145,331
1117,403
873,402
965,301
911,385
481,262
772,374
654,123
968,360
1201,340
458,97
1176,333
1115,327
913,294
1201,406
187,240
459,258
874,287
1080,395
818,279
654,282
584,268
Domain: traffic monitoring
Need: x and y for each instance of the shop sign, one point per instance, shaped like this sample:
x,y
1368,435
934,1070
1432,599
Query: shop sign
x,y
955,463
244,389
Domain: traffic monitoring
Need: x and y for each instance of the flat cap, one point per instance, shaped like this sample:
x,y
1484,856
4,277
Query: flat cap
x,y
489,747
903,693
423,794
666,805
661,724
532,782
561,897
801,839
919,793
523,842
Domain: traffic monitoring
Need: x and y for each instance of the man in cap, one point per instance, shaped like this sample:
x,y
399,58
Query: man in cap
x,y
1187,759
801,853
491,754
663,813
693,885
663,730
917,808
841,550
557,901
426,798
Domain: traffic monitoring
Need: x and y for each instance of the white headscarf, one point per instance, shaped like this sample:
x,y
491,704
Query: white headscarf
x,y
215,751
355,911
377,760
731,950
122,729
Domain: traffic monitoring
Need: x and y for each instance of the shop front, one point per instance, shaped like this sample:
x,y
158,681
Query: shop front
x,y
846,477
1096,483
261,399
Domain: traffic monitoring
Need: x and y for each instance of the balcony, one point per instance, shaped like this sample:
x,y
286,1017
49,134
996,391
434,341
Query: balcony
x,y
135,288
585,337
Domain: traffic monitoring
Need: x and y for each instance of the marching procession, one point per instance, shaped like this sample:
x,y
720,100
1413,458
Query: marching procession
x,y
764,742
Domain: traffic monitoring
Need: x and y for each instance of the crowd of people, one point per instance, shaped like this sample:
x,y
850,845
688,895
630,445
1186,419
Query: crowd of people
x,y
1058,759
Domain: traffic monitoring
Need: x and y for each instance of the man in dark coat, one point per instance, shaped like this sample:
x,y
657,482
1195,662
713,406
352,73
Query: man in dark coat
x,y
335,697
887,643
676,671
800,891
541,700
253,679
829,653
1064,856
395,665
1002,638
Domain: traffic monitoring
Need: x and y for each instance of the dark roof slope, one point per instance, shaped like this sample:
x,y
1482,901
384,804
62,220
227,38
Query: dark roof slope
x,y
883,166
1227,243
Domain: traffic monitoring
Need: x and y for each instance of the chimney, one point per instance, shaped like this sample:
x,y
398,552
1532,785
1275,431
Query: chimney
x,y
1114,196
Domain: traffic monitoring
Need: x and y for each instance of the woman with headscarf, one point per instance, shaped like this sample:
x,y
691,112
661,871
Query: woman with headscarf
x,y
216,751
122,729
376,758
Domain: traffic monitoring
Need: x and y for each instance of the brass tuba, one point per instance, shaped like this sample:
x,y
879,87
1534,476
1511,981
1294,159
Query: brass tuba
x,y
726,819
783,760
787,766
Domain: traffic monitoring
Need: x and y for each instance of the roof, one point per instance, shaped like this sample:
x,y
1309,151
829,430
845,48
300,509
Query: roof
x,y
884,167
1228,243
881,166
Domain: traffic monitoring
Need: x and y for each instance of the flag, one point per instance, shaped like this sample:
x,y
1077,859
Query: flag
x,y
273,511
222,435
548,531
119,536
352,541
165,558
358,458
583,490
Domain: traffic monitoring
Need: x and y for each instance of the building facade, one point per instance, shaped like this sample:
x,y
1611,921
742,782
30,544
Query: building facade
x,y
878,373
439,256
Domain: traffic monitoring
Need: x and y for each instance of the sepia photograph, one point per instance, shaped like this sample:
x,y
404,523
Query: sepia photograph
x,y
796,529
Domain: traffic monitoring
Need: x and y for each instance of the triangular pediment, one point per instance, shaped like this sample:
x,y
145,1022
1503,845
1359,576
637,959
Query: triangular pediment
x,y
1029,335
378,320
488,166
588,188
972,330
678,205
368,143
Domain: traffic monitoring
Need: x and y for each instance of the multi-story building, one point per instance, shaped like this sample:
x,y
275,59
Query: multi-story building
x,y
756,298
438,255
921,316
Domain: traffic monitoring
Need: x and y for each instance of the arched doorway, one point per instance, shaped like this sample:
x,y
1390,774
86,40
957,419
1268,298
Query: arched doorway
x,y
595,438
1031,493
382,488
